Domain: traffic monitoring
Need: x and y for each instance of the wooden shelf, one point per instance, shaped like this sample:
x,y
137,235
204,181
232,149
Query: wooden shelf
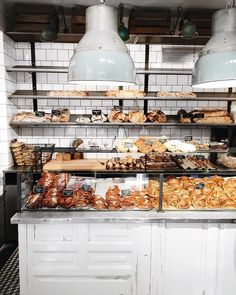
x,y
134,39
171,121
201,96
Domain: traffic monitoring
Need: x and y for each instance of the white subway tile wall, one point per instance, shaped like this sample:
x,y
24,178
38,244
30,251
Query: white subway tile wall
x,y
50,54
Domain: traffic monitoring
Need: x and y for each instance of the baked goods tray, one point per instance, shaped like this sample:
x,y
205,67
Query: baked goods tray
x,y
24,208
172,120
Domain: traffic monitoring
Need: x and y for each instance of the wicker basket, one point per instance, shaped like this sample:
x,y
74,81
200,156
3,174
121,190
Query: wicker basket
x,y
31,154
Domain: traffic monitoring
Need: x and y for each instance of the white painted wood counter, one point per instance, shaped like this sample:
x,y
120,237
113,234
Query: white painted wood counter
x,y
163,258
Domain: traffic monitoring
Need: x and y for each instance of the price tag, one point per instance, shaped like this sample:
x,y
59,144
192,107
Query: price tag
x,y
180,157
200,185
94,147
125,192
56,112
86,187
148,142
128,145
96,112
200,157
38,189
39,114
116,159
117,108
198,116
188,138
67,192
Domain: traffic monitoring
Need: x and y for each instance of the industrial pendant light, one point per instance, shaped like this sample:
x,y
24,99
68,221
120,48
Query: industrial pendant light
x,y
101,57
216,65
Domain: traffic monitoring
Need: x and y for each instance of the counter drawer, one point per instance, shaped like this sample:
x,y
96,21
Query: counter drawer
x,y
79,285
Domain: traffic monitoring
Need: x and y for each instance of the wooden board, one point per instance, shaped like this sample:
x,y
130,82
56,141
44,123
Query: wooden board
x,y
74,165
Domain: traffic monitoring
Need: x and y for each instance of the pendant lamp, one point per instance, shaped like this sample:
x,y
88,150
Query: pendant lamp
x,y
101,57
216,65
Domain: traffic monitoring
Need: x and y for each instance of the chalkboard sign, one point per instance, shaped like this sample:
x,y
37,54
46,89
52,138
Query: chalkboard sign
x,y
56,112
39,114
67,192
126,192
86,187
117,108
200,157
188,138
38,189
96,112
200,185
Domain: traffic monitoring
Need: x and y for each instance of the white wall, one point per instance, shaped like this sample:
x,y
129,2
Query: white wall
x,y
56,54
7,86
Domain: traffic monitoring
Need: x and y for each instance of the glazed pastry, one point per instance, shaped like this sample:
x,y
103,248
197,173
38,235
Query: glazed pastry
x,y
125,93
156,117
34,201
99,203
46,180
137,117
60,181
51,200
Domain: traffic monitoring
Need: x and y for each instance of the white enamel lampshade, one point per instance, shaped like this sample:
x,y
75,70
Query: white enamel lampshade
x,y
216,65
101,57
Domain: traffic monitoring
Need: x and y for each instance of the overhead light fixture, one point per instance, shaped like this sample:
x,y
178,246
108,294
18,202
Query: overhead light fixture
x,y
187,29
216,65
123,31
50,32
101,57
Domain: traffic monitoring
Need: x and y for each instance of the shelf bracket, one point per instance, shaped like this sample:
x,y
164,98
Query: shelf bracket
x,y
146,77
34,78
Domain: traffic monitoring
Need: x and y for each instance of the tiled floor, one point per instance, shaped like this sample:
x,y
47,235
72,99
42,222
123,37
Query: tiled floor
x,y
9,276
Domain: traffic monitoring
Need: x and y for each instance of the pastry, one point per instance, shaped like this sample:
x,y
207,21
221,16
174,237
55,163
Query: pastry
x,y
125,93
213,120
176,146
51,200
117,117
137,117
83,119
60,93
175,94
126,145
77,142
29,117
156,117
158,147
34,201
99,203
63,156
227,161
99,118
